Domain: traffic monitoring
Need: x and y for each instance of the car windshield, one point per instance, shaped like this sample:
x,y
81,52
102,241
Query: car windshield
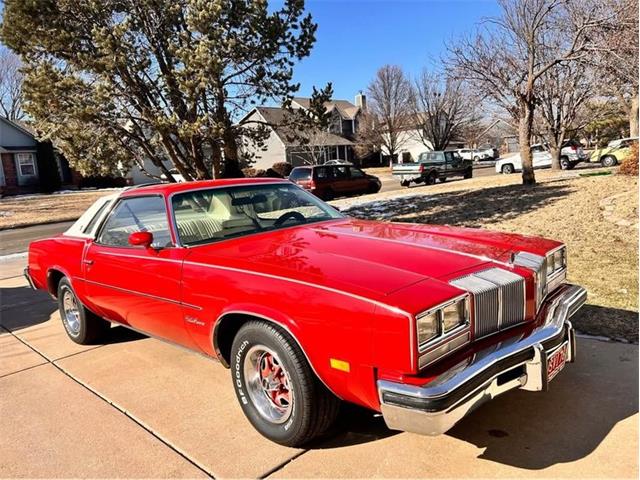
x,y
204,216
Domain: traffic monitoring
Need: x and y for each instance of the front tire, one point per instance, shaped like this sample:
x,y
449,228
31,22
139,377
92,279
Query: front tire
x,y
328,195
431,179
82,326
277,390
508,169
609,161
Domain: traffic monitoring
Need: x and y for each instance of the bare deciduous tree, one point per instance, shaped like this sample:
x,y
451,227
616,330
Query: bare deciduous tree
x,y
616,58
562,94
314,146
511,53
10,85
390,105
443,109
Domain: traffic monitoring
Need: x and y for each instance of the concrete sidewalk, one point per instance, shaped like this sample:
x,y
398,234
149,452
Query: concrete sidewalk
x,y
137,407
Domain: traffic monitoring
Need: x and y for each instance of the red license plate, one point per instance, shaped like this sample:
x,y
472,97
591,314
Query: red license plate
x,y
556,361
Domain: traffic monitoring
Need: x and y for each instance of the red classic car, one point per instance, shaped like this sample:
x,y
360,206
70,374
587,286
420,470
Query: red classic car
x,y
308,307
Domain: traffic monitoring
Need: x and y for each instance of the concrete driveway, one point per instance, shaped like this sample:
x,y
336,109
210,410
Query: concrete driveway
x,y
137,407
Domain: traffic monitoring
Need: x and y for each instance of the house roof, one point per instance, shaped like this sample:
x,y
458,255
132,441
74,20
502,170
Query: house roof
x,y
346,109
23,127
276,118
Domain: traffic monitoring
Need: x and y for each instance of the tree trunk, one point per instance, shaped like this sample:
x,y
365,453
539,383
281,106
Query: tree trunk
x,y
555,158
633,117
231,164
525,128
216,160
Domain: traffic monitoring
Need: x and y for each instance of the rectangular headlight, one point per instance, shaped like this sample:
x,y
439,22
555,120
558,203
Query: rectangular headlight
x,y
560,259
428,326
556,261
454,315
440,321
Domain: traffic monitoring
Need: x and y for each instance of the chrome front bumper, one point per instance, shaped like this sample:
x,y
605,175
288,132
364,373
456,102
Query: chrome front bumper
x,y
518,362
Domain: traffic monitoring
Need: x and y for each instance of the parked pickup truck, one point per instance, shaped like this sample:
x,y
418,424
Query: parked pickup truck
x,y
432,166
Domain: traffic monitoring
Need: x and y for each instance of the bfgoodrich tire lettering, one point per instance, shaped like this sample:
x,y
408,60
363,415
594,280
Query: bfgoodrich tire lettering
x,y
313,408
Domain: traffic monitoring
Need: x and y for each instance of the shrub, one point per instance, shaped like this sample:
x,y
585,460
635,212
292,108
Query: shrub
x,y
281,169
102,181
254,172
629,165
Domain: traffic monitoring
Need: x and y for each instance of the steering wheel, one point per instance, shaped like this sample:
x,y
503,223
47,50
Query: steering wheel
x,y
292,215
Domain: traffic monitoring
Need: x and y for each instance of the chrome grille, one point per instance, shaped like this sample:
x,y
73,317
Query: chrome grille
x,y
498,298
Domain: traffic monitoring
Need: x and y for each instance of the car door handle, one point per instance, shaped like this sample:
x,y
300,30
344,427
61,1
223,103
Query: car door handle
x,y
88,262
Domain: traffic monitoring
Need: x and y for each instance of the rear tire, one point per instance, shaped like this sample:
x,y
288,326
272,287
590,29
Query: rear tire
x,y
82,326
468,173
431,179
277,390
328,195
609,161
565,164
507,169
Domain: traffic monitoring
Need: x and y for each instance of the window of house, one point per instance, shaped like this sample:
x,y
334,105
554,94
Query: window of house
x,y
2,184
26,164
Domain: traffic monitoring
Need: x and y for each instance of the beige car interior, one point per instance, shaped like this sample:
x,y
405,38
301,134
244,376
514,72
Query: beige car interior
x,y
219,220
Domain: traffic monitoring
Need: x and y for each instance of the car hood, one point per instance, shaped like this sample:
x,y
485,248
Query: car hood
x,y
371,259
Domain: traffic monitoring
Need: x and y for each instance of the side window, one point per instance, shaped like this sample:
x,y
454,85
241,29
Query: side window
x,y
356,173
322,173
448,156
96,217
139,214
340,172
537,149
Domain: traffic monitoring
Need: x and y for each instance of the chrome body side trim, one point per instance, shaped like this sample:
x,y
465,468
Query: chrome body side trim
x,y
410,317
148,295
517,362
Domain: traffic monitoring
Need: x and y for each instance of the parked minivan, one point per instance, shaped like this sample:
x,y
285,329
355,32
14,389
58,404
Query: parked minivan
x,y
331,181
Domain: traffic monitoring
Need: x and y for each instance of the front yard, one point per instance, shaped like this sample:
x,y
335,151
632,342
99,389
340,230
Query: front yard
x,y
596,216
25,210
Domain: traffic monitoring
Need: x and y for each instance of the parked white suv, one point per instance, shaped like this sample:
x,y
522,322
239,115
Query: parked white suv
x,y
478,154
570,155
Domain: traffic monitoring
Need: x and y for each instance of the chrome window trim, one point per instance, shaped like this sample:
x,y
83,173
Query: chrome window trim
x,y
444,337
117,201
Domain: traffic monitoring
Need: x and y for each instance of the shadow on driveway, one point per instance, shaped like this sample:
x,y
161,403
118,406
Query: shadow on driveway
x,y
535,430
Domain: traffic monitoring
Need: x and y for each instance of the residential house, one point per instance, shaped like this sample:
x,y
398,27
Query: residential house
x,y
19,170
411,143
284,144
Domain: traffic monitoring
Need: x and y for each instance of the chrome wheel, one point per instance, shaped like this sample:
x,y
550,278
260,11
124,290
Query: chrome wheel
x,y
71,313
268,385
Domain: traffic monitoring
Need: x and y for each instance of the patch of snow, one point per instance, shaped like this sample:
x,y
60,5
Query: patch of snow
x,y
7,214
12,256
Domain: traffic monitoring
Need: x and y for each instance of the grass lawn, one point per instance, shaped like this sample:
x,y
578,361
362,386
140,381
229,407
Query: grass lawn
x,y
596,216
25,210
